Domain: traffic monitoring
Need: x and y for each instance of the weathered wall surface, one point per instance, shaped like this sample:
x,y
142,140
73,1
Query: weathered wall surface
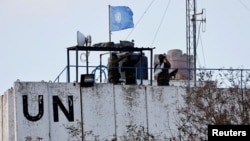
x,y
35,111
7,116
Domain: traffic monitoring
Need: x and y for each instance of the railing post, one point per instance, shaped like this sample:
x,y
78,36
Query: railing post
x,y
68,67
241,79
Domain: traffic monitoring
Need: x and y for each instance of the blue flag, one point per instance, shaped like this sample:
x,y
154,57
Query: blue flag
x,y
121,17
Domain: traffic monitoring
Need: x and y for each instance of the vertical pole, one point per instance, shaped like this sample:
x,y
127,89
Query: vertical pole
x,y
83,136
146,102
141,66
109,26
100,68
241,79
76,63
109,32
191,33
87,61
68,67
151,67
194,41
188,40
115,113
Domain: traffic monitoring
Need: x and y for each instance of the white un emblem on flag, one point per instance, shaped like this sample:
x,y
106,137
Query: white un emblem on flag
x,y
121,17
118,17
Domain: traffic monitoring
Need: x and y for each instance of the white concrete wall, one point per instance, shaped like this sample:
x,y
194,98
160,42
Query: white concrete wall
x,y
26,129
98,112
7,119
106,110
58,130
130,108
162,103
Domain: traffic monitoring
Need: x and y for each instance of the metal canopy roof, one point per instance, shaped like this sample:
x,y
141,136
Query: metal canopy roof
x,y
91,48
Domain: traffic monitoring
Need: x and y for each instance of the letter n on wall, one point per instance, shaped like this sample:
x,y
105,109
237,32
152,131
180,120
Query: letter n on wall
x,y
58,103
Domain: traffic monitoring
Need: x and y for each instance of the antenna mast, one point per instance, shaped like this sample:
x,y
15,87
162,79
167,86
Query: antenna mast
x,y
191,37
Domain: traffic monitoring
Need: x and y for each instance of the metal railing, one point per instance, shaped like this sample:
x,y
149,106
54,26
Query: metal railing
x,y
224,78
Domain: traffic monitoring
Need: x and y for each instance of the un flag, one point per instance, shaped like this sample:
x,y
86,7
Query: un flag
x,y
121,17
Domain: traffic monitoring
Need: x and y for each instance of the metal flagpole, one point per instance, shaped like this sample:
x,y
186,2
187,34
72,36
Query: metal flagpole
x,y
109,26
109,32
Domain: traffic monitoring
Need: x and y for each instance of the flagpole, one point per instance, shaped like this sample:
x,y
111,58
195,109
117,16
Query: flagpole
x,y
109,33
109,26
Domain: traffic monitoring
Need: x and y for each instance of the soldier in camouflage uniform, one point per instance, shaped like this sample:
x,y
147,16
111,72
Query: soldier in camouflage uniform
x,y
129,68
113,71
163,77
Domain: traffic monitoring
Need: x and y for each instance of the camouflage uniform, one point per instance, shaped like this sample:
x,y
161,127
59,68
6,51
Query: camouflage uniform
x,y
113,71
130,71
163,77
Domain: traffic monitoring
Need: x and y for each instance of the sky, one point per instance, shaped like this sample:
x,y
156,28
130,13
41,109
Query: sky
x,y
34,34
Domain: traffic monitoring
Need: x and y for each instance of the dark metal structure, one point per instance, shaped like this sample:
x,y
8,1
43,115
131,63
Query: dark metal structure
x,y
191,36
191,19
90,48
